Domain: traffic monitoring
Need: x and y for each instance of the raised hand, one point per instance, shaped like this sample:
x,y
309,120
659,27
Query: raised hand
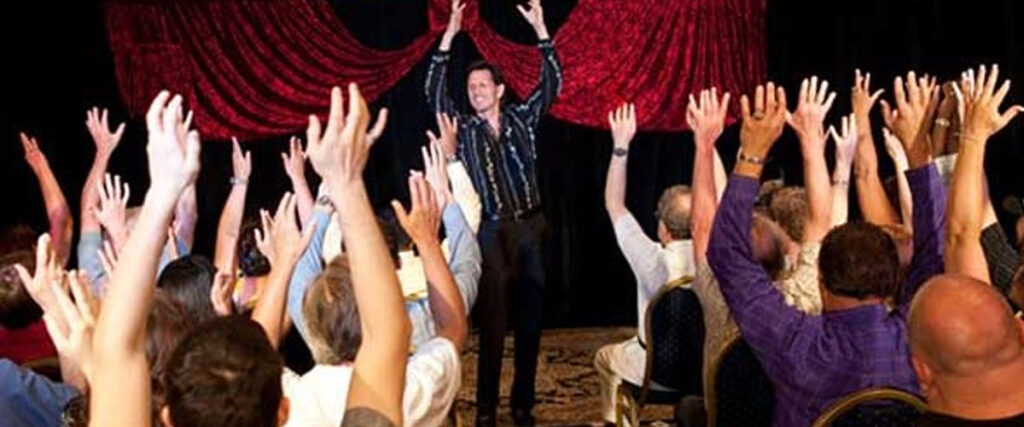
x,y
73,340
423,219
113,204
979,101
241,164
35,158
454,20
339,152
623,124
707,117
534,14
862,99
895,150
941,141
448,126
174,162
220,294
48,270
813,104
280,240
916,102
108,258
437,171
846,142
99,129
762,126
294,160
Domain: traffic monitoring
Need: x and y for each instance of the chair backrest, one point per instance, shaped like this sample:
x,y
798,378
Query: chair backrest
x,y
675,338
880,407
741,392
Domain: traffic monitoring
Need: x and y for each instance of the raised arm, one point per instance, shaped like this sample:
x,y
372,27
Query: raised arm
x,y
874,206
57,212
464,252
550,82
899,158
339,155
121,389
707,119
979,102
295,167
916,101
112,210
106,142
436,88
309,266
421,224
282,244
623,125
814,102
846,149
767,323
234,209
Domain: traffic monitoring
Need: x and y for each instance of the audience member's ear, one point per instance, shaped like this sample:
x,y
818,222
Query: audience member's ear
x,y
282,411
501,90
165,416
924,373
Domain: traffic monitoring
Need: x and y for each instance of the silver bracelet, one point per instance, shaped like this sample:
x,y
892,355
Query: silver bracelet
x,y
744,157
239,181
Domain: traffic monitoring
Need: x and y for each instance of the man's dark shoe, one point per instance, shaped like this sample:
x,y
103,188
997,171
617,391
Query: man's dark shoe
x,y
523,417
485,419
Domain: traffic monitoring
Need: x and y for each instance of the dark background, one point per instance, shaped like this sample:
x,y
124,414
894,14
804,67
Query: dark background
x,y
58,63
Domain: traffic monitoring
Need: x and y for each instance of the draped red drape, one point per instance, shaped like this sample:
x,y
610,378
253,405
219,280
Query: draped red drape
x,y
257,68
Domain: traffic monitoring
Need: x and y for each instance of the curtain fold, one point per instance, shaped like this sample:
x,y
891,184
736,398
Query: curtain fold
x,y
257,68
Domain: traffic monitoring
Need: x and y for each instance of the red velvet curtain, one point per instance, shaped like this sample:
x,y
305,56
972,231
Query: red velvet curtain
x,y
257,68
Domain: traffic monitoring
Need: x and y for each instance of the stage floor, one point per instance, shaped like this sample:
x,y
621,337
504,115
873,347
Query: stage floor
x,y
568,391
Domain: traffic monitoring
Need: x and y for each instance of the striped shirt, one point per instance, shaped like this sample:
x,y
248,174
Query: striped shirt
x,y
503,168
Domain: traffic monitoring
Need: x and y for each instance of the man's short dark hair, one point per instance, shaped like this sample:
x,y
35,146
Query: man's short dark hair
x,y
224,373
859,260
167,324
674,207
17,308
481,64
332,316
188,280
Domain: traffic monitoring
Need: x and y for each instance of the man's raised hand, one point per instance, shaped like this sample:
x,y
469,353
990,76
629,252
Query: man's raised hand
x,y
707,117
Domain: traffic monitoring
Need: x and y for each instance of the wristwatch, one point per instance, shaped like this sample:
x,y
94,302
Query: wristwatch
x,y
620,152
324,200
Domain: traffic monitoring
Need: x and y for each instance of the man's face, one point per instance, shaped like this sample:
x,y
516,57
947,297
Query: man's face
x,y
483,93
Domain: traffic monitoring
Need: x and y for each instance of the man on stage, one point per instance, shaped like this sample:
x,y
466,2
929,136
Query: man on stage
x,y
497,144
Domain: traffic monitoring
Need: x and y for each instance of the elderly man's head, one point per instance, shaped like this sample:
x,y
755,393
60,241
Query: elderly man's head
x,y
967,348
673,213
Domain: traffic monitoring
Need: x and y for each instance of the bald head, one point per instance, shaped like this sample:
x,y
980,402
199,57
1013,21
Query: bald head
x,y
961,326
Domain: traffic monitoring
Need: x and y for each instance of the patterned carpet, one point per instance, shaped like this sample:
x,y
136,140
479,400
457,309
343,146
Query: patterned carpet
x,y
568,391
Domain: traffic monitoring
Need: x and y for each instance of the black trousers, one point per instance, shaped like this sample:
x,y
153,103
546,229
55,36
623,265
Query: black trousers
x,y
512,282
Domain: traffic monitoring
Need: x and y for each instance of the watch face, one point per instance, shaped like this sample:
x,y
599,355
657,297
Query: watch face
x,y
619,151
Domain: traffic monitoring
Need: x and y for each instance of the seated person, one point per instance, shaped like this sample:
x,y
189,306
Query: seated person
x,y
857,342
968,351
653,263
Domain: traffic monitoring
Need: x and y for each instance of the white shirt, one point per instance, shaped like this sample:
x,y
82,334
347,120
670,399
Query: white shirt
x,y
653,265
433,376
318,397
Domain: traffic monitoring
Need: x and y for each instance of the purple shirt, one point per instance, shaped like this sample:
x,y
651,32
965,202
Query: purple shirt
x,y
816,360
